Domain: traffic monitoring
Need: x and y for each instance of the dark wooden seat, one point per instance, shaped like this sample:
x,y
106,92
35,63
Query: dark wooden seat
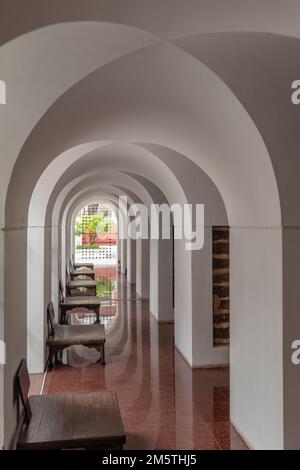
x,y
88,420
80,265
70,302
76,271
81,287
63,336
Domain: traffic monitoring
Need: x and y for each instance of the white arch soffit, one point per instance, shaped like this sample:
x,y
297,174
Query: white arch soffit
x,y
63,195
33,84
260,21
113,184
82,197
66,190
67,187
85,196
117,181
49,178
95,195
194,17
222,159
105,199
110,189
202,185
60,199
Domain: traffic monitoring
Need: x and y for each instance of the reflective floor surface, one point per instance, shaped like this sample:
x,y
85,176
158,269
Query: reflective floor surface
x,y
164,404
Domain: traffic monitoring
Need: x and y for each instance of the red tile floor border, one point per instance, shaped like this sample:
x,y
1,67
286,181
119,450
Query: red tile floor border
x,y
164,404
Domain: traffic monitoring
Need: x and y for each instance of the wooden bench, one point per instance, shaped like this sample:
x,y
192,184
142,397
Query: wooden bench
x,y
88,420
80,265
69,303
80,287
89,288
63,336
82,271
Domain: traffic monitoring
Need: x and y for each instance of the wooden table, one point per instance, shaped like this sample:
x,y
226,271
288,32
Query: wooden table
x,y
91,273
82,283
61,337
89,420
89,302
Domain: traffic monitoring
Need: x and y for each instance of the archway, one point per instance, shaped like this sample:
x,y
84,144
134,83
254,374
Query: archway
x,y
248,215
95,235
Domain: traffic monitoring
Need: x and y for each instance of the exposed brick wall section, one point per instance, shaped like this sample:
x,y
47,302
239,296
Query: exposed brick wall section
x,y
221,301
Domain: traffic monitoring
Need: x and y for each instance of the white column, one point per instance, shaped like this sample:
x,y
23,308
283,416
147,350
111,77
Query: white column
x,y
123,245
203,351
55,267
256,369
35,300
161,280
142,268
131,261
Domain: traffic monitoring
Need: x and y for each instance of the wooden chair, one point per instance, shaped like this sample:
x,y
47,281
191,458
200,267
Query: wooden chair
x,y
88,420
81,265
63,336
68,303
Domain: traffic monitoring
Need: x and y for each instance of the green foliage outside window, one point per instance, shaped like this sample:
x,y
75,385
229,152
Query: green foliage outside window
x,y
92,226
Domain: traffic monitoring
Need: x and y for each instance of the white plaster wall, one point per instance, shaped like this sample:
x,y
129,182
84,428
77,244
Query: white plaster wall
x,y
142,267
131,261
15,327
256,372
55,266
123,255
56,242
153,299
204,353
183,302
35,300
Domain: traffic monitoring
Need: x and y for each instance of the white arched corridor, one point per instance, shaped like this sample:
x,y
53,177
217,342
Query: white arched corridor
x,y
164,113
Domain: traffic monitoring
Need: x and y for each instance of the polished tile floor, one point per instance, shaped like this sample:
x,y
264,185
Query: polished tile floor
x,y
164,404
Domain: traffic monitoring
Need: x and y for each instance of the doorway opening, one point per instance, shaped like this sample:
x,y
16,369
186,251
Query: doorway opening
x,y
96,235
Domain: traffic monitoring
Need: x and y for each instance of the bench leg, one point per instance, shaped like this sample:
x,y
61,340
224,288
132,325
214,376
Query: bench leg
x,y
101,350
103,355
62,320
51,357
96,310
